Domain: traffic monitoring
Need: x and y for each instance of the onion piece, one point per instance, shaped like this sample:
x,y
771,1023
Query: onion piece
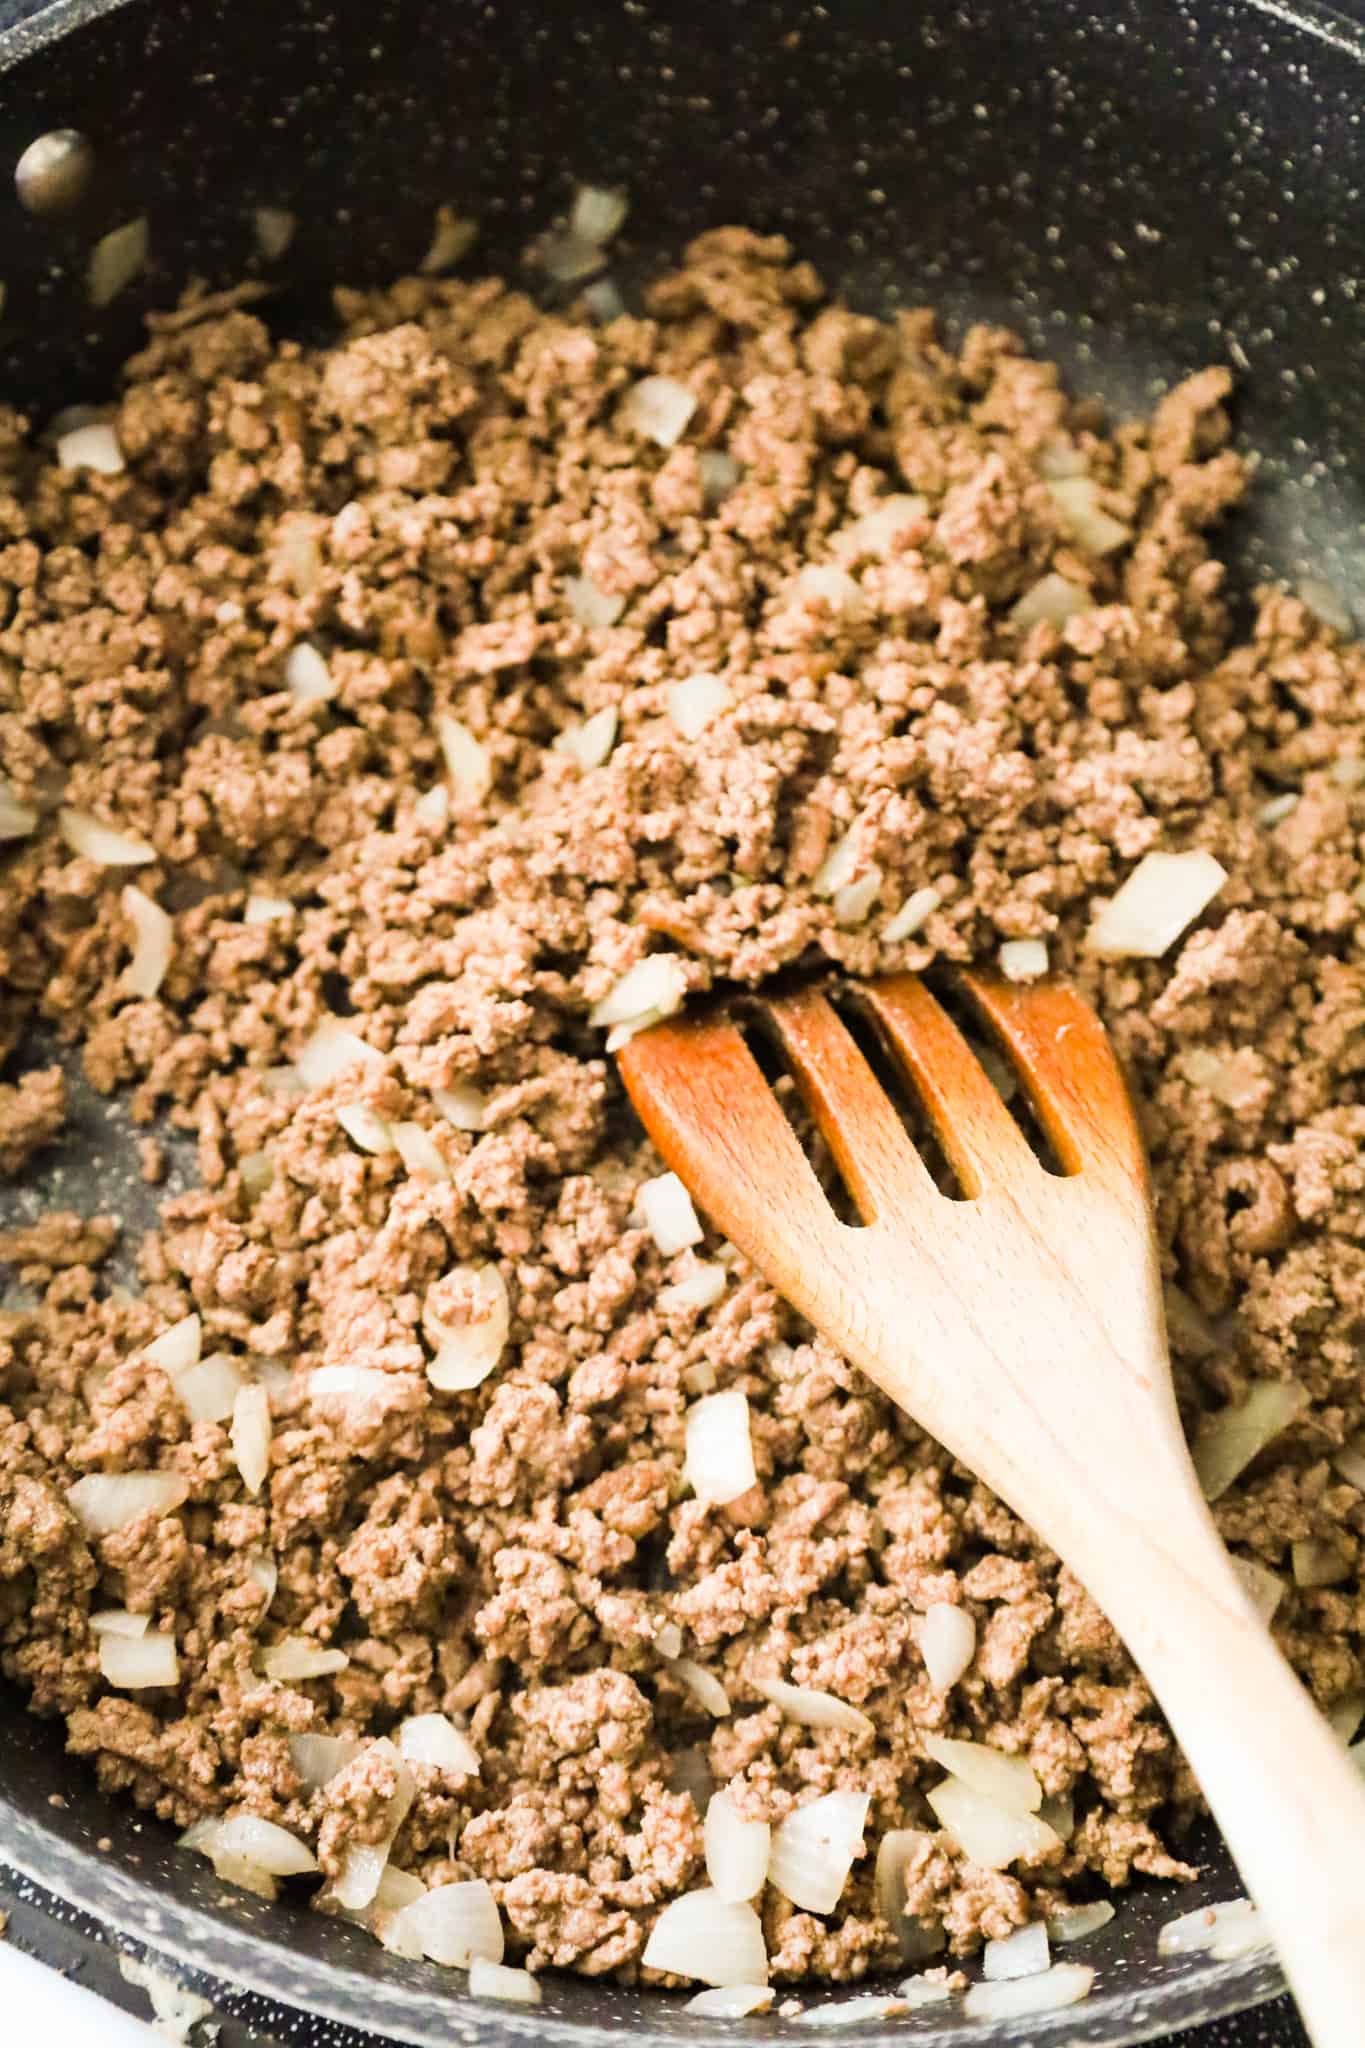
x,y
1023,959
468,768
947,1643
262,1842
463,1106
274,230
596,609
1074,1923
1263,1588
348,1383
659,408
1024,1953
717,1941
451,1924
1164,894
267,910
877,532
295,1657
468,1351
1007,1781
152,930
650,990
696,702
208,1390
1326,604
736,1850
433,1739
498,1980
832,589
1347,772
1225,1444
719,474
1317,1563
1277,808
665,1208
257,1170
250,1436
604,301
919,905
987,1833
669,1640
1054,598
365,1128
567,258
307,676
590,743
116,260
815,1848
1349,1463
265,1573
705,1688
854,901
1063,1984
918,1991
91,447
135,1663
731,2001
1231,1929
117,1621
1058,1812
853,2012
362,1866
719,1460
106,1501
16,820
452,236
246,1876
597,213
838,867
318,1758
697,1290
177,1348
418,1151
90,837
333,1051
811,1708
1076,502
894,1852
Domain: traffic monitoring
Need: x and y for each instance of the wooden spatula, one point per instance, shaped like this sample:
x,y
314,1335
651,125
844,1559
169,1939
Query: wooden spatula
x,y
1023,1328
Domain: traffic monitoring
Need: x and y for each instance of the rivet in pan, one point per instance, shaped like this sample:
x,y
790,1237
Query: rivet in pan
x,y
52,174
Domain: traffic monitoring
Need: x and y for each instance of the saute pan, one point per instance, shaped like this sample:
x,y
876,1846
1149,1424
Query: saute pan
x,y
1142,190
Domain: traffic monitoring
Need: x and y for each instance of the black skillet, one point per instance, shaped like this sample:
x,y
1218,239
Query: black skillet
x,y
1142,190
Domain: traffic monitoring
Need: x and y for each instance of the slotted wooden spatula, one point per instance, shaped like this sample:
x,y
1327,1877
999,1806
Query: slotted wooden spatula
x,y
1023,1328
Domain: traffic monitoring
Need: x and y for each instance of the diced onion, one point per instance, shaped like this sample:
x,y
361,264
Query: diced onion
x,y
267,910
736,1850
719,1462
1063,1984
450,1924
257,1170
1053,598
1226,1931
94,447
434,1739
363,1865
452,237
590,743
250,1436
825,584
985,1832
136,1662
177,1348
853,902
463,1106
332,1051
598,212
208,1391
468,767
262,1842
498,1980
247,1876
1023,959
300,1657
432,808
1164,894
274,228
152,931
877,532
468,1351
1226,1443
699,1289
650,990
1220,1076
1005,1780
596,609
307,676
815,1848
1061,457
918,1991
947,1643
265,1573
838,867
659,408
811,1708
1058,1812
1277,808
696,702
116,260
604,301
318,1758
1349,1464
894,1852
665,1208
1263,1588
418,1152
1076,500
731,2001
1327,604
705,1688
284,1081
16,820
94,840
1074,1923
1024,1953
1318,1564
717,1941
106,1501
1347,772
117,1621
568,258
364,1127
668,1642
348,1383
719,475
853,2012
919,905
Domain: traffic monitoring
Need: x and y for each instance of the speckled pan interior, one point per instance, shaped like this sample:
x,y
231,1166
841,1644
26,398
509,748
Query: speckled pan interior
x,y
1142,189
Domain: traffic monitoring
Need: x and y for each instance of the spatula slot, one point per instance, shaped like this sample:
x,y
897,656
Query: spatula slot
x,y
866,1033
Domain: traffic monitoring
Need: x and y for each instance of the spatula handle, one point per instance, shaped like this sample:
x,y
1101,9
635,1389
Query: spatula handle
x,y
1289,1801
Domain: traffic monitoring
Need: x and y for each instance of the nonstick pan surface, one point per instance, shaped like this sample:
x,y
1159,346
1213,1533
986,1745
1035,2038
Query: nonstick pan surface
x,y
1140,190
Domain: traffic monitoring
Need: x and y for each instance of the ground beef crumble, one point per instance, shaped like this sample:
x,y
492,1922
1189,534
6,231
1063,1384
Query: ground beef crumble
x,y
417,501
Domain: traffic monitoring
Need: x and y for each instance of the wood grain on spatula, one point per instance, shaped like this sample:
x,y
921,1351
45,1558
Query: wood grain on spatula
x,y
1022,1326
